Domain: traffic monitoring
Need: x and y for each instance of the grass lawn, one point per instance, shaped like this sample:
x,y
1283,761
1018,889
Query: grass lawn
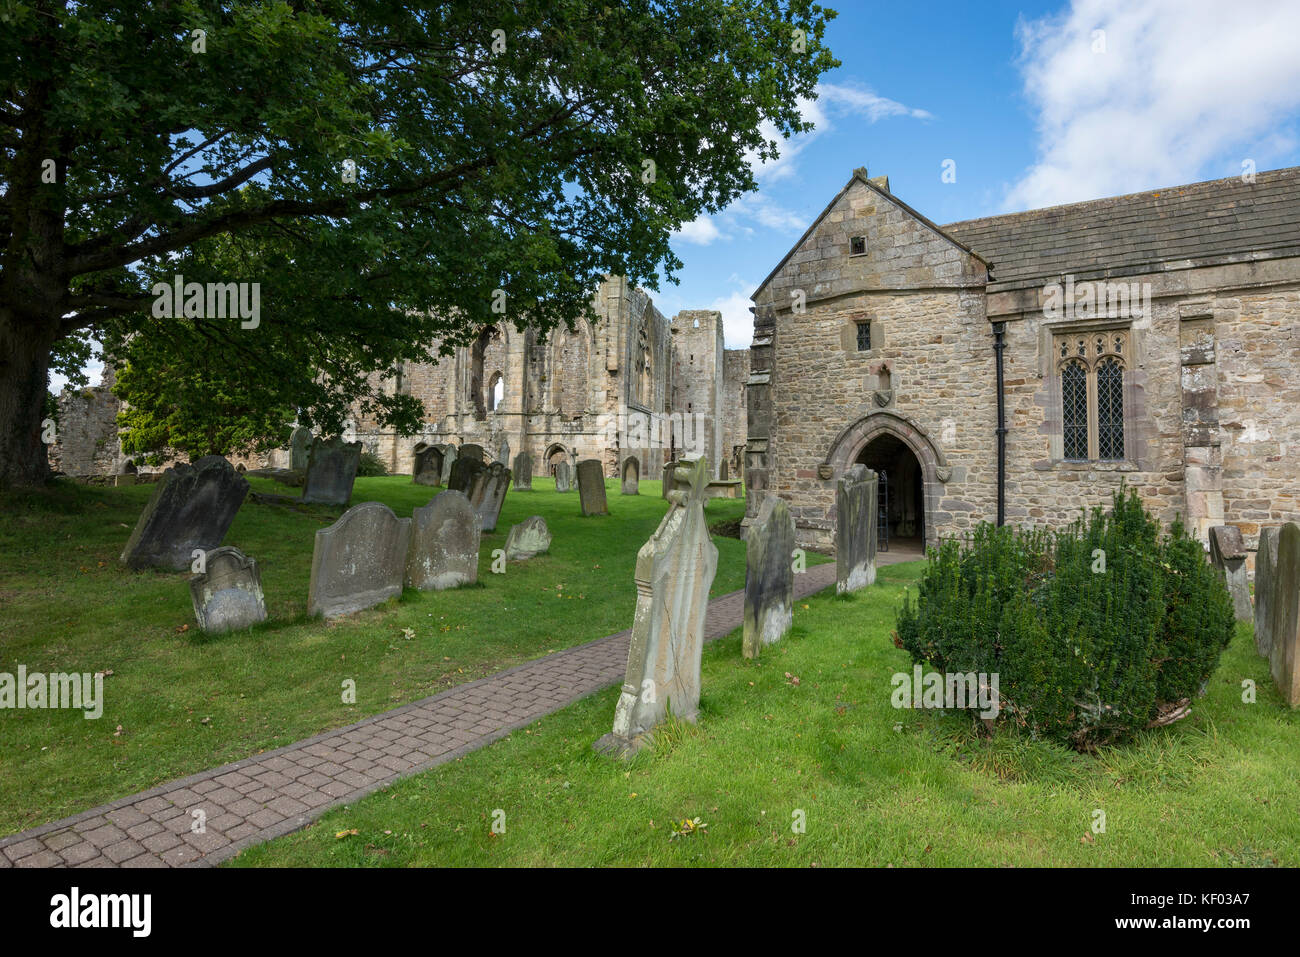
x,y
875,785
178,702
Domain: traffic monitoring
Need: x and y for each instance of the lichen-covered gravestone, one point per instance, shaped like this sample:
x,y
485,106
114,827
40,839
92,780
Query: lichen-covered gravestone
x,y
472,451
670,469
449,456
359,561
522,473
1228,553
503,452
674,571
331,471
463,472
1284,650
528,538
591,488
1265,582
428,464
227,594
191,507
444,543
563,477
631,476
855,529
299,445
487,493
769,577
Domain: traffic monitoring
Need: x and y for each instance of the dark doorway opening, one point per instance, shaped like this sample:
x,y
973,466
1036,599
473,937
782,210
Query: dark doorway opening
x,y
905,515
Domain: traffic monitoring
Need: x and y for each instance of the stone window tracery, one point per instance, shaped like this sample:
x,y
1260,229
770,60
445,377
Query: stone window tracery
x,y
1091,368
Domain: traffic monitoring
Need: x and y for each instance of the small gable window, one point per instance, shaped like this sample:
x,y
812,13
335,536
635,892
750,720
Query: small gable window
x,y
858,246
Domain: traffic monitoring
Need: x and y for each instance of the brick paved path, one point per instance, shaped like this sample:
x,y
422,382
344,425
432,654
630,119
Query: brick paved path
x,y
271,794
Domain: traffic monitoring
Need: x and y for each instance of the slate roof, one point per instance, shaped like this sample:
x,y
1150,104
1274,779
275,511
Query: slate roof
x,y
1220,220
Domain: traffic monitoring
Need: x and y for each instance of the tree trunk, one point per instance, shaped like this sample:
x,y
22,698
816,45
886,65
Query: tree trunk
x,y
24,372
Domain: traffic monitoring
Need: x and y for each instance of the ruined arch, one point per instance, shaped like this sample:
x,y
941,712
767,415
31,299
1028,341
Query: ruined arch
x,y
854,439
555,454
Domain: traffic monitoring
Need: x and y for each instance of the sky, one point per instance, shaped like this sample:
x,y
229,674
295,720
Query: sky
x,y
1026,105
1031,104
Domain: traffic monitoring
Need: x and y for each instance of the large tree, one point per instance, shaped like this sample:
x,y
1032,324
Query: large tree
x,y
526,146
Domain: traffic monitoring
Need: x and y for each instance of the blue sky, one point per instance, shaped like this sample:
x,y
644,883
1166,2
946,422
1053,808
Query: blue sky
x,y
1031,114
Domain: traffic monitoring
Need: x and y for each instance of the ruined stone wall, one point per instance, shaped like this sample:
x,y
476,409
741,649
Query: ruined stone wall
x,y
698,379
86,435
735,375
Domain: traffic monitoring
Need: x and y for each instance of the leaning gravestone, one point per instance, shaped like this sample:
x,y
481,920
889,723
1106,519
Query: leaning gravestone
x,y
563,481
855,529
1228,553
191,507
331,471
228,593
523,472
1284,648
631,475
463,472
428,464
358,561
591,488
528,538
674,571
444,543
487,493
472,451
1265,583
769,577
299,444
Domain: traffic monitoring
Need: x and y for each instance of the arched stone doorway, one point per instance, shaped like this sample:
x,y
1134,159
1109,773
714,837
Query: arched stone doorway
x,y
887,441
554,456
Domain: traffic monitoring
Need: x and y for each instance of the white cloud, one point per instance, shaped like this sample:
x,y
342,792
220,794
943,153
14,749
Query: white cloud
x,y
700,231
737,320
1185,90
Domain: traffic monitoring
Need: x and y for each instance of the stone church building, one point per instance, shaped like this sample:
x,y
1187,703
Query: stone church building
x,y
1017,368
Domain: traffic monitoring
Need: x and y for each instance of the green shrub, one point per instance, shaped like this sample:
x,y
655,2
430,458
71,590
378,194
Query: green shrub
x,y
1093,630
370,465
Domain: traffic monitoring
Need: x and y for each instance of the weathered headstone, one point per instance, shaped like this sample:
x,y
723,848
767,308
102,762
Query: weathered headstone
x,y
300,440
523,472
528,538
631,476
427,469
674,571
503,452
228,593
487,493
191,507
1265,582
449,455
463,471
331,471
769,577
724,470
563,479
472,451
1228,553
670,468
855,529
444,543
1284,650
358,561
591,488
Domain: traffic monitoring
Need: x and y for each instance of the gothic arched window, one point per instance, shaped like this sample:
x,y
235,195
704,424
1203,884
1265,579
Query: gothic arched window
x,y
1091,367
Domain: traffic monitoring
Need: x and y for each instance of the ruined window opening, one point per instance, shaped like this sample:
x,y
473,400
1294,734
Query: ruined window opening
x,y
496,391
864,337
857,246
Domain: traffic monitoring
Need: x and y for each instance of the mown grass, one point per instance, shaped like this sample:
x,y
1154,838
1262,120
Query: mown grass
x,y
178,702
874,785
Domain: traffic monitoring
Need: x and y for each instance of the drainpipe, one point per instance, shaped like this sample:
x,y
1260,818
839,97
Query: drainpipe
x,y
999,346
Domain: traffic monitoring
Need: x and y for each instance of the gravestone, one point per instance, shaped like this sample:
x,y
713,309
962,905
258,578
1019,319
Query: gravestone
x,y
487,493
358,561
472,451
331,470
463,472
769,577
724,471
300,440
228,593
444,543
1284,645
528,538
1228,553
563,482
855,529
674,571
670,467
503,452
522,473
631,476
591,488
449,456
191,507
428,464
1265,583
